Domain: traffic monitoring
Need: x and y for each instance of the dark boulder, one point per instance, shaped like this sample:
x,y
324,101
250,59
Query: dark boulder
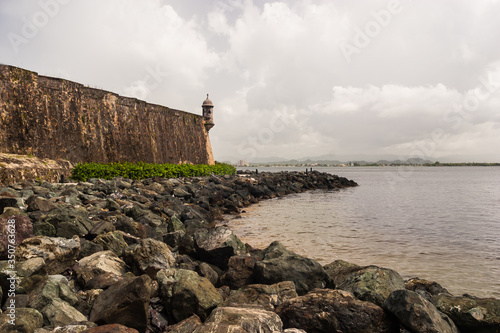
x,y
263,296
470,314
36,203
229,320
339,270
373,284
69,221
148,257
184,293
188,325
56,300
326,311
217,245
59,253
239,272
418,314
280,264
100,265
425,288
113,241
125,303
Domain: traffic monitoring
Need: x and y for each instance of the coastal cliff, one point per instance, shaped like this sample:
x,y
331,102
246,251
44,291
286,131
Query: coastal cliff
x,y
59,119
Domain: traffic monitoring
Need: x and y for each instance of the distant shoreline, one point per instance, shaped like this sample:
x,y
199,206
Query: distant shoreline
x,y
357,164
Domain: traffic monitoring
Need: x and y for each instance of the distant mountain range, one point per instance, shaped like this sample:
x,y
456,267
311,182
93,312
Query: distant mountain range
x,y
412,161
332,159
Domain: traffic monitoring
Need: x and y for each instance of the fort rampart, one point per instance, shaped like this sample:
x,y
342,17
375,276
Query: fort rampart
x,y
59,119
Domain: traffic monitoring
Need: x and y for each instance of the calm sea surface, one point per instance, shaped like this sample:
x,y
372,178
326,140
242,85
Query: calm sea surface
x,y
437,223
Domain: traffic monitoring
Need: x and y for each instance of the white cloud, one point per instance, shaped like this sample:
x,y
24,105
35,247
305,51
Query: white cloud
x,y
265,60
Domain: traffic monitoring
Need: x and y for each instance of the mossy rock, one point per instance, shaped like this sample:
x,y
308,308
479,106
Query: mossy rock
x,y
44,229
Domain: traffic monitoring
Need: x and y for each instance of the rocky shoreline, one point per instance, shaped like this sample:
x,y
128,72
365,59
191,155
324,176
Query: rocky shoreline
x,y
147,256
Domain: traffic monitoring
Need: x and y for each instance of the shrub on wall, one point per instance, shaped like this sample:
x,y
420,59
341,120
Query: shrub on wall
x,y
141,170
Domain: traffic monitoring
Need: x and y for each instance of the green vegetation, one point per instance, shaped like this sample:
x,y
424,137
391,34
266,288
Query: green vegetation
x,y
141,170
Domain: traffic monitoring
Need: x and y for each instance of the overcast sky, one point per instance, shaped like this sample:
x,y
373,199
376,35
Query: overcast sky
x,y
290,79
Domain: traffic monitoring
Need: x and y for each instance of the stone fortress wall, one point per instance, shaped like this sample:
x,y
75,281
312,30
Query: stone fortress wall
x,y
59,119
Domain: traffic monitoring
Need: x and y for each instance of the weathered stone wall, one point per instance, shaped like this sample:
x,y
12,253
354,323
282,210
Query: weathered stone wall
x,y
59,119
18,168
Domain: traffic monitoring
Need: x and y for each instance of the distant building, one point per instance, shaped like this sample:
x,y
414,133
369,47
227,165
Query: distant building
x,y
242,163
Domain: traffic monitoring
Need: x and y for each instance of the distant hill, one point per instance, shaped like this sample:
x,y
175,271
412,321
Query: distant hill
x,y
410,161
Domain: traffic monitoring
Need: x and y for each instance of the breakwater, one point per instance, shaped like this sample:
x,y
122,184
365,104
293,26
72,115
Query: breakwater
x,y
147,256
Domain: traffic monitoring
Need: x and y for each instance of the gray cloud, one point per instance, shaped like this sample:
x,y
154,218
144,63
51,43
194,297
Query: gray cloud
x,y
420,76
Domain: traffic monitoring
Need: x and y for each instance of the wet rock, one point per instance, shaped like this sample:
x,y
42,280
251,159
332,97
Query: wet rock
x,y
125,303
71,228
59,253
185,293
470,314
180,192
174,224
231,319
112,205
263,296
60,313
111,328
105,263
13,230
55,299
339,270
239,272
69,221
326,310
113,241
425,288
188,325
24,320
373,284
36,203
280,264
88,248
217,245
148,257
44,229
134,210
102,227
208,271
418,314
30,267
174,239
129,226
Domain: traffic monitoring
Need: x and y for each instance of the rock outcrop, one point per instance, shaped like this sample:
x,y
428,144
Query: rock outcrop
x,y
148,256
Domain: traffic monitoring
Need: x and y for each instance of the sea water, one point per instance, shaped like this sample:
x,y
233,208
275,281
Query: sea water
x,y
435,223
